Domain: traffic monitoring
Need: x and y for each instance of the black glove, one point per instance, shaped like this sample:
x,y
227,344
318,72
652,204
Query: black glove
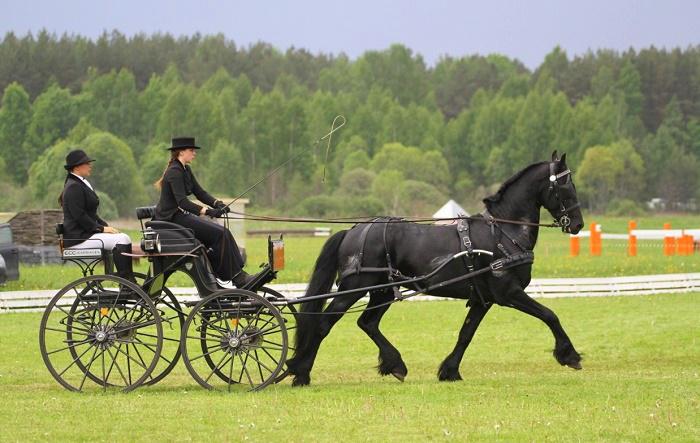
x,y
218,204
216,213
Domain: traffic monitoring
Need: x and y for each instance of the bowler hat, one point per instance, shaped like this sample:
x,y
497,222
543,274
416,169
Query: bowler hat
x,y
183,143
75,158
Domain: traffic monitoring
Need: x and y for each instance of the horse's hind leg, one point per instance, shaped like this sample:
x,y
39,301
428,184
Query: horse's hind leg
x,y
449,369
390,361
564,350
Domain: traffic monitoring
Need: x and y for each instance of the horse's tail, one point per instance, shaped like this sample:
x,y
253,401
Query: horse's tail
x,y
325,270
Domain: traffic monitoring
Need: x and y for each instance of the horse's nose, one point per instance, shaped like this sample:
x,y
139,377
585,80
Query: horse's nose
x,y
576,227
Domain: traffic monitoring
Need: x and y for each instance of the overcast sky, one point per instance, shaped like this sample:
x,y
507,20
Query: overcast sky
x,y
526,29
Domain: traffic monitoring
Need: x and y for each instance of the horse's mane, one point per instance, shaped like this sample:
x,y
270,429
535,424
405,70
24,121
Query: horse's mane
x,y
499,194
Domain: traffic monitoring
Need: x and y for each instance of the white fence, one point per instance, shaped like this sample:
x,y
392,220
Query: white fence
x,y
644,234
19,301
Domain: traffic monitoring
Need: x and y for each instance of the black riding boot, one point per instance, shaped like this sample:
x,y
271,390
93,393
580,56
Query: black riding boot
x,y
123,263
243,279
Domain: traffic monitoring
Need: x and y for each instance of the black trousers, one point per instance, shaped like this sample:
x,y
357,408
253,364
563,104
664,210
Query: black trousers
x,y
225,256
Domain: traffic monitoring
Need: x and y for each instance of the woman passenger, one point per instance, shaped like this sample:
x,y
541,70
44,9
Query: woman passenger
x,y
82,227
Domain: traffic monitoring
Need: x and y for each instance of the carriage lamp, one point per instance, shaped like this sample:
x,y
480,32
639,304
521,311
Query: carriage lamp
x,y
150,242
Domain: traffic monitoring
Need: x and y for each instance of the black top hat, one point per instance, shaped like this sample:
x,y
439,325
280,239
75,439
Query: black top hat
x,y
75,158
183,143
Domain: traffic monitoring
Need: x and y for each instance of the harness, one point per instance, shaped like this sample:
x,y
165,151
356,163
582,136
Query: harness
x,y
393,274
466,246
563,219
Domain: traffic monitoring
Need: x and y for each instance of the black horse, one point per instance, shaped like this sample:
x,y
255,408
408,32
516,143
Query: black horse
x,y
373,254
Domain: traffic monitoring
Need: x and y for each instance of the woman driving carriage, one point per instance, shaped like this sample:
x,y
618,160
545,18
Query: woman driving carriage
x,y
82,227
175,185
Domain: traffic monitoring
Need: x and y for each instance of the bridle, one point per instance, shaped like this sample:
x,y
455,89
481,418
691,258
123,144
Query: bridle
x,y
562,219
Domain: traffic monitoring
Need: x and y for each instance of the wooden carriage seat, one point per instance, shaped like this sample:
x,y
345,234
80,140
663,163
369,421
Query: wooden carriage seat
x,y
87,259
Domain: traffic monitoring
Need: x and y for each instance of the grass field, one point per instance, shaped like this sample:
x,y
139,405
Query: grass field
x,y
640,382
551,256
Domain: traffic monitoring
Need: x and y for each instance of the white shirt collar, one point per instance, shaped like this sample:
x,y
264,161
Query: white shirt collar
x,y
84,181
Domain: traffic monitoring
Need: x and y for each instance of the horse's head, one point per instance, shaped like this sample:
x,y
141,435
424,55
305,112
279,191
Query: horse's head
x,y
559,196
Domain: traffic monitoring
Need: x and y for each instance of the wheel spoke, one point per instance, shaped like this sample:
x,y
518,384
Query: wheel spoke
x,y
245,369
132,358
138,353
115,364
218,366
74,361
82,342
148,346
87,369
205,354
259,362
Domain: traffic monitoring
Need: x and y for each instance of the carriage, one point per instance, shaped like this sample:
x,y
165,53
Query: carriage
x,y
103,331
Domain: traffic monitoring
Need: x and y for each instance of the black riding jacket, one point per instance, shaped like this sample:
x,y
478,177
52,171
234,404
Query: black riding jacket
x,y
178,183
80,219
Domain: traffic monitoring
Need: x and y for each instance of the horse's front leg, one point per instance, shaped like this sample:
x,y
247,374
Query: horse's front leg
x,y
300,366
449,369
564,351
390,361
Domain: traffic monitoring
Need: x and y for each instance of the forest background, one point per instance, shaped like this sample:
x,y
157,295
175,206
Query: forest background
x,y
415,134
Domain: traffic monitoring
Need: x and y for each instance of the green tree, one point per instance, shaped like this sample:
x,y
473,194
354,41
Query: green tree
x,y
420,199
152,101
540,119
611,172
111,103
356,183
629,84
412,125
54,115
224,172
387,188
356,160
492,126
555,67
397,70
410,161
15,117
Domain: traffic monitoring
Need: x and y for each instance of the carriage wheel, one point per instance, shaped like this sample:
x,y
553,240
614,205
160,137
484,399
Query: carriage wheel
x,y
234,340
172,319
289,313
102,329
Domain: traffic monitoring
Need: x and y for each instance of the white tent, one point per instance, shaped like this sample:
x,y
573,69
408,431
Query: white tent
x,y
449,210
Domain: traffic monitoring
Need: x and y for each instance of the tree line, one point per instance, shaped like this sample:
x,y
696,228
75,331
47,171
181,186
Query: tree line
x,y
415,135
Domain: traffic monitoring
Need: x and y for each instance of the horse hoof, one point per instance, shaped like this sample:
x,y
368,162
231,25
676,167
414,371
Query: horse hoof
x,y
401,377
450,377
301,381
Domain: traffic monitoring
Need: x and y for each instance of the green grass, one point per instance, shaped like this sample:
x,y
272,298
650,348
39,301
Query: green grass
x,y
551,256
640,382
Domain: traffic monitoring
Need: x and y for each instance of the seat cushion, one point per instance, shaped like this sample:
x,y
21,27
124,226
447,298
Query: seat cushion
x,y
145,212
173,237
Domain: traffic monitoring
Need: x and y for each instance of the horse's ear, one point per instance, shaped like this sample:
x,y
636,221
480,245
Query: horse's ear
x,y
562,160
554,156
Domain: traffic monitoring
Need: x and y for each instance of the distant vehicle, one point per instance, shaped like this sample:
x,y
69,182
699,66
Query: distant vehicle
x,y
9,255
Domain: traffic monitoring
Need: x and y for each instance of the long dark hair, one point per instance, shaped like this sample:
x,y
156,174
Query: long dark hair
x,y
173,157
60,197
